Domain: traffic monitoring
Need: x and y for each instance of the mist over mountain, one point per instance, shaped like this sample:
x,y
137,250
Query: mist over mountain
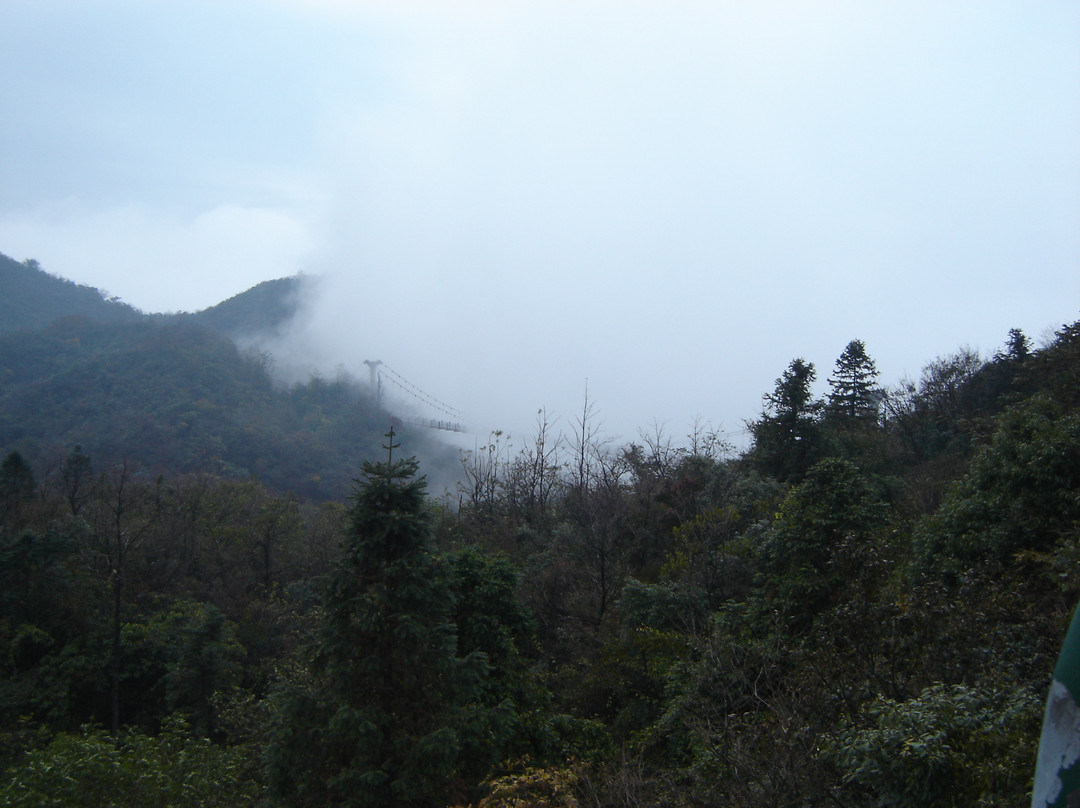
x,y
260,312
762,322
185,392
885,563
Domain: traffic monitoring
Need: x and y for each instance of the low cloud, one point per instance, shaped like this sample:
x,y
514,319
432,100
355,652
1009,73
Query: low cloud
x,y
667,203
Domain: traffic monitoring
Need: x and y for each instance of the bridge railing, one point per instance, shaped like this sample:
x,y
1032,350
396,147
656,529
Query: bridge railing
x,y
434,423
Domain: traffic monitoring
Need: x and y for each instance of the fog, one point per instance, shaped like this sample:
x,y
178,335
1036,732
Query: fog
x,y
511,204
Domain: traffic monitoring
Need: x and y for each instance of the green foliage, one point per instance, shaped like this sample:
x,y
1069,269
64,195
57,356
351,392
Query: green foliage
x,y
133,770
17,487
561,736
787,627
51,629
391,712
1056,369
1021,492
806,548
854,397
179,659
731,724
949,746
208,663
76,479
39,580
788,437
488,616
714,556
662,606
264,309
936,414
35,299
17,482
168,394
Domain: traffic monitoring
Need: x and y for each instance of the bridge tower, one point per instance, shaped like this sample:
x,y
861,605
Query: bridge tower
x,y
376,379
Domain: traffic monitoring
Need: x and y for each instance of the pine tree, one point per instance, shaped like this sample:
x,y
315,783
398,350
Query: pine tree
x,y
787,439
1019,346
388,707
855,396
17,487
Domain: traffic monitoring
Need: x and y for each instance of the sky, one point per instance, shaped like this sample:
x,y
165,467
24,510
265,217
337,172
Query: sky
x,y
517,204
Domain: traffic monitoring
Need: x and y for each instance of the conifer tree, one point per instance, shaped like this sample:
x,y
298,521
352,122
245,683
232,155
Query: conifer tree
x,y
17,487
855,395
1018,347
388,707
787,439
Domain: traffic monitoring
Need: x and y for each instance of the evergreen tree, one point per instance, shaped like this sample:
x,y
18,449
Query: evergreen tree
x,y
76,479
1058,366
17,488
855,396
1018,347
389,707
1019,493
787,439
810,548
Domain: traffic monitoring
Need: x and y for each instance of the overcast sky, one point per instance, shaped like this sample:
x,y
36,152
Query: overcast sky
x,y
666,201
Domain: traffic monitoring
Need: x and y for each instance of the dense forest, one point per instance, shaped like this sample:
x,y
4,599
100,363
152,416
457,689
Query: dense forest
x,y
863,608
177,393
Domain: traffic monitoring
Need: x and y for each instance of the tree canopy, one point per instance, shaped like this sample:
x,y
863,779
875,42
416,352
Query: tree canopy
x,y
860,608
854,395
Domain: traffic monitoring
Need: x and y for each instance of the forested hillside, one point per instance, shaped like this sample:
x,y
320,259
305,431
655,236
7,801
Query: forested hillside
x,y
862,609
34,299
175,393
263,310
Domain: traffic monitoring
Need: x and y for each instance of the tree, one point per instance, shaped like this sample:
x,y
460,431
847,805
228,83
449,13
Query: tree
x,y
208,663
76,479
388,706
17,487
1019,492
123,518
812,546
92,769
1018,348
931,415
492,621
1058,366
1006,379
53,634
532,476
855,396
947,746
787,439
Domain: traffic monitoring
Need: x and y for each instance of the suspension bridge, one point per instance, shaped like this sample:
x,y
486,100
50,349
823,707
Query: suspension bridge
x,y
446,418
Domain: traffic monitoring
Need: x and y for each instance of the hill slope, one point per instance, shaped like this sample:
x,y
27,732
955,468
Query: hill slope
x,y
33,299
174,393
263,309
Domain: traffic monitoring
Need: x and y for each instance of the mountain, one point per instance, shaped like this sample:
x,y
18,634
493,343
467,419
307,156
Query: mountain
x,y
34,299
175,393
264,309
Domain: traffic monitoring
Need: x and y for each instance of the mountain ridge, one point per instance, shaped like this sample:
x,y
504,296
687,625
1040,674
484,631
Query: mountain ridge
x,y
179,392
33,298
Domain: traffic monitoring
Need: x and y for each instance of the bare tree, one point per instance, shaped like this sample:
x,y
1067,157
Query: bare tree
x,y
707,442
484,469
585,443
128,511
531,478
